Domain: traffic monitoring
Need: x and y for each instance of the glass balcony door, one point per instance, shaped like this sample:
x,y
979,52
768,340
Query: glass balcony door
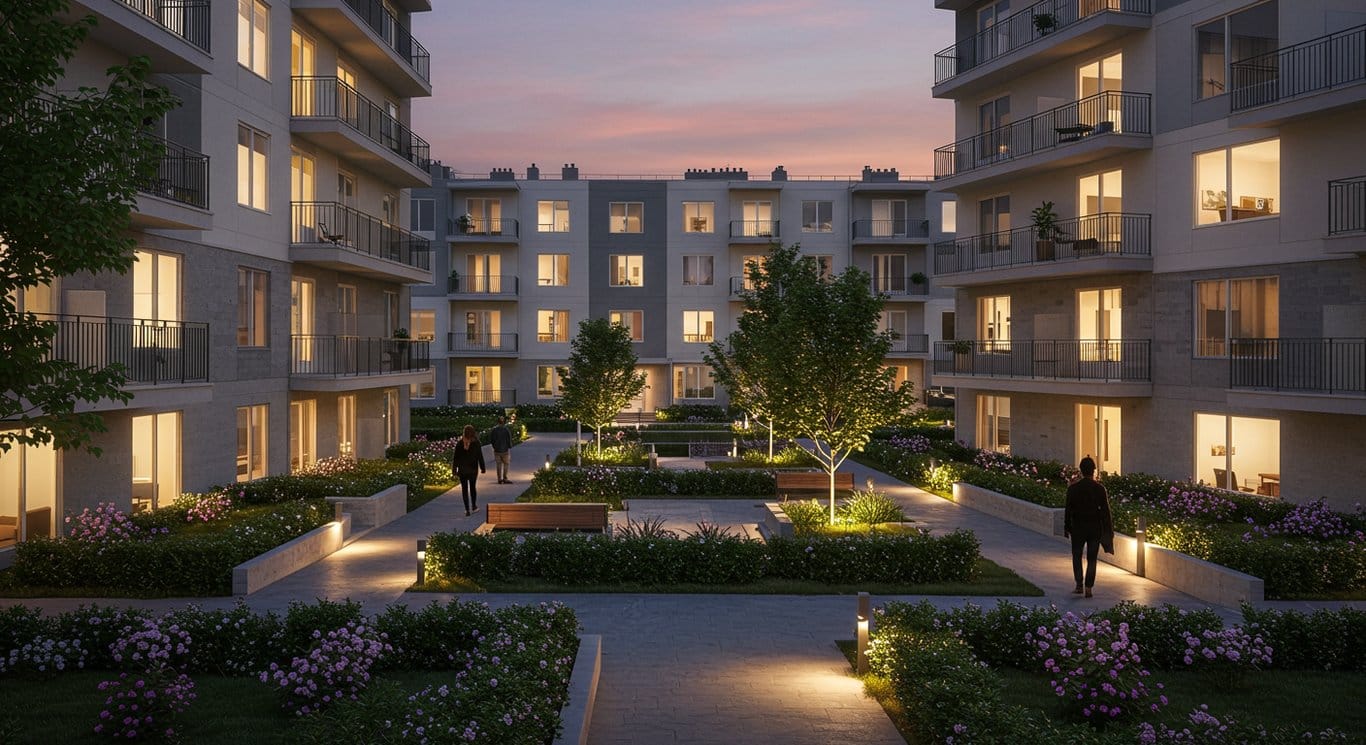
x,y
156,460
28,493
1098,436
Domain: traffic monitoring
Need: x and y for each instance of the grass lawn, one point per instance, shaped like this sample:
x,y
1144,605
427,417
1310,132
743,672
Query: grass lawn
x,y
429,492
993,579
227,711
1308,700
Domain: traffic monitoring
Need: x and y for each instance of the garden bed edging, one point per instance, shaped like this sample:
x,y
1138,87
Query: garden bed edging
x,y
287,558
577,713
380,508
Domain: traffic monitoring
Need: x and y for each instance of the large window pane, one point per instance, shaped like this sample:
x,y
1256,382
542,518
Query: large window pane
x,y
1211,187
1256,177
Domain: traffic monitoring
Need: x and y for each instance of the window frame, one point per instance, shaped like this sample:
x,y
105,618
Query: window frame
x,y
1228,212
616,273
690,220
555,259
250,328
1200,343
698,324
819,226
559,332
257,434
626,208
553,391
697,371
248,23
689,277
555,225
636,330
418,208
258,143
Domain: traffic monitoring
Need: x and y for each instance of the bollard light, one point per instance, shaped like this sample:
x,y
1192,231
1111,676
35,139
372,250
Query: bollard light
x,y
869,482
864,615
1140,541
422,561
547,461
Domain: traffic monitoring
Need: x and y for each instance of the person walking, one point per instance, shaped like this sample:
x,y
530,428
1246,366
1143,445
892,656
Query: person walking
x,y
468,456
1086,520
501,440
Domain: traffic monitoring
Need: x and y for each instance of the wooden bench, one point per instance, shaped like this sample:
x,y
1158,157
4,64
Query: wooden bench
x,y
813,481
545,516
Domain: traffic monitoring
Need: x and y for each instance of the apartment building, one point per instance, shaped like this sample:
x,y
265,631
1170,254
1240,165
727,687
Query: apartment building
x,y
258,323
1200,307
528,256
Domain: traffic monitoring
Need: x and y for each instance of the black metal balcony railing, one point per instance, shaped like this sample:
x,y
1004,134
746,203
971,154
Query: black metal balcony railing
x,y
1110,112
353,356
484,226
151,352
471,396
910,343
1320,64
754,229
898,286
1125,360
1347,205
1335,366
1019,29
349,228
330,98
698,338
481,342
188,19
1106,234
182,175
892,229
395,34
482,284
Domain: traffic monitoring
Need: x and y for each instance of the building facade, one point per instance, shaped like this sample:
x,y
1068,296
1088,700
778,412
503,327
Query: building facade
x,y
526,257
258,324
1159,260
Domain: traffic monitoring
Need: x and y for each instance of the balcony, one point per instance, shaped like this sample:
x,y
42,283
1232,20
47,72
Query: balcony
x,y
337,117
753,231
1026,41
478,396
1305,79
483,286
341,363
900,288
173,34
1081,367
904,230
739,286
1095,244
480,344
484,230
903,343
1082,131
374,37
162,360
1347,215
181,181
1317,375
344,239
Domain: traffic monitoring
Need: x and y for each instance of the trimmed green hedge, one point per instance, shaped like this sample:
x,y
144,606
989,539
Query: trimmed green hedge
x,y
699,412
611,485
401,450
366,478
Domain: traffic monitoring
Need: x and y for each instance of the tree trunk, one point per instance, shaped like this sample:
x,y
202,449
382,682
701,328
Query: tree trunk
x,y
599,431
832,488
770,442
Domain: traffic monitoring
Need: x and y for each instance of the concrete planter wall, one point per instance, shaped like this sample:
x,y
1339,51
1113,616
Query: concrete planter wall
x,y
1195,577
380,508
776,521
577,713
287,558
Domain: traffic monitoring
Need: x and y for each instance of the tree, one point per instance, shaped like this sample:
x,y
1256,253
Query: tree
x,y
71,165
601,378
741,363
812,346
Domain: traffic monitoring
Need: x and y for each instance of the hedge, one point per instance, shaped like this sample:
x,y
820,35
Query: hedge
x,y
611,485
365,478
401,450
575,559
692,412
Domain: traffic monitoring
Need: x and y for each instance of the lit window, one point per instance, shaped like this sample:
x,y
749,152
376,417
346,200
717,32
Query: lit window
x,y
889,218
749,265
423,324
390,416
817,216
627,271
156,286
693,382
1239,453
253,167
993,319
552,325
697,270
698,326
631,320
552,216
253,36
485,216
251,441
698,217
424,389
552,270
993,423
627,217
1228,310
1239,182
825,264
948,217
303,434
346,426
1099,328
253,299
547,381
758,219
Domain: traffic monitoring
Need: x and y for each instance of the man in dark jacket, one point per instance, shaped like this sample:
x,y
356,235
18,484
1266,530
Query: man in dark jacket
x,y
1086,520
501,440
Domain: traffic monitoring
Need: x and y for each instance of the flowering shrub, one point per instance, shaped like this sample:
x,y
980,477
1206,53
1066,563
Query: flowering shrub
x,y
206,508
337,668
1189,502
106,523
1227,653
806,515
151,645
912,443
44,655
1310,519
143,706
1096,667
1205,728
1327,639
616,451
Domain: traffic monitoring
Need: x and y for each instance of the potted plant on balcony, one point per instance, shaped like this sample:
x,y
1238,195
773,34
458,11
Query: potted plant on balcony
x,y
1044,23
962,355
919,280
465,223
1046,231
453,282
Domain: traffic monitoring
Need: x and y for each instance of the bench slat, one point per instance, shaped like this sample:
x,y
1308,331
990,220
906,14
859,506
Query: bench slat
x,y
813,481
549,516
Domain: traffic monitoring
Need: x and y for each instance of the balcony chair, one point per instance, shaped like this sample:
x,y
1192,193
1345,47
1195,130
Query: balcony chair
x,y
1237,485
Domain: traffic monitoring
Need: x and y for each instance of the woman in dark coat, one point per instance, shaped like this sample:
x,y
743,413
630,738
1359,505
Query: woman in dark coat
x,y
468,456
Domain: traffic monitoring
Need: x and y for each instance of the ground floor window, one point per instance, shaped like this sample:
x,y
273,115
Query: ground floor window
x,y
1239,453
391,434
693,382
993,423
1098,436
424,389
28,493
303,434
156,460
252,436
547,381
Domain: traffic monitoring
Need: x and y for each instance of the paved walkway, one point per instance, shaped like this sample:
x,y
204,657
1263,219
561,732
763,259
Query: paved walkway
x,y
701,668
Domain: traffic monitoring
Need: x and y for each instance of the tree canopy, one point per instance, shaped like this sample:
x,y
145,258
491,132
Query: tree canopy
x,y
71,164
601,378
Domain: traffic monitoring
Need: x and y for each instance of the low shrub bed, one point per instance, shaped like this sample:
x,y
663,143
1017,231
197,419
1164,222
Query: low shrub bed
x,y
692,413
710,556
1102,672
320,673
612,485
331,477
618,453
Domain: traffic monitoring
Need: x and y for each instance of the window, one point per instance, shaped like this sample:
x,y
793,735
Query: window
x,y
626,217
422,324
251,441
253,36
993,423
422,215
253,299
346,310
825,265
698,326
758,219
889,274
948,217
1098,436
817,216
303,188
346,426
993,319
482,274
391,313
1231,309
946,326
552,325
697,270
1244,34
632,320
424,389
486,216
693,382
993,216
992,141
390,413
889,218
156,286
388,209
1239,182
156,460
750,264
483,384
698,217
1098,324
483,330
1101,192
895,322
552,216
302,293
901,375
626,271
346,189
1106,74
1239,453
552,270
547,381
28,493
253,167
303,434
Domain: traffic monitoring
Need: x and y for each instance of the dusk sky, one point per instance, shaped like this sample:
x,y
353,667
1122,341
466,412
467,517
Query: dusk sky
x,y
658,86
